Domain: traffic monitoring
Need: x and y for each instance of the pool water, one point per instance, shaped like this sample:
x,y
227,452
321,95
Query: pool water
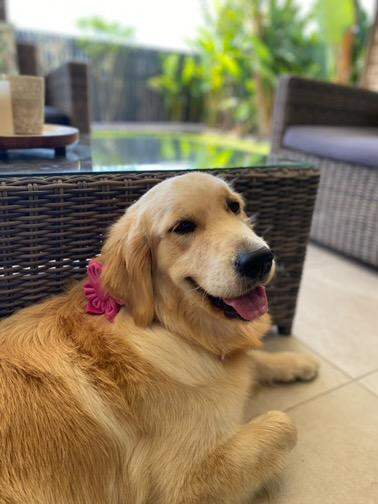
x,y
131,151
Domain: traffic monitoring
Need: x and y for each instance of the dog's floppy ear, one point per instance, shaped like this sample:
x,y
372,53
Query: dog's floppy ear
x,y
126,256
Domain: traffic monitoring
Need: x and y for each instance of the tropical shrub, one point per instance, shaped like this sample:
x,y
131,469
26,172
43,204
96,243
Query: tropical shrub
x,y
246,45
179,84
343,34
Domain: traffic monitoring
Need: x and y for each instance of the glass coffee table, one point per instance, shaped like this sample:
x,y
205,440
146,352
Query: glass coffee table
x,y
118,151
54,212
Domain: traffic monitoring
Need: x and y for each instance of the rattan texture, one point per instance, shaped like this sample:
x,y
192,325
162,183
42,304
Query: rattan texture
x,y
50,226
305,101
346,211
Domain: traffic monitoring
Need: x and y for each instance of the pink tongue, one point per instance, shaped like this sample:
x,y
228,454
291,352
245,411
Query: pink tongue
x,y
250,306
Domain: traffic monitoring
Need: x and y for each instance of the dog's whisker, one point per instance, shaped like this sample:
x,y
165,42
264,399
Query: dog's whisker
x,y
193,289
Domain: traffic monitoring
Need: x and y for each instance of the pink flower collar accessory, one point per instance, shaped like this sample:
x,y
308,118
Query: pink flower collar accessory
x,y
99,301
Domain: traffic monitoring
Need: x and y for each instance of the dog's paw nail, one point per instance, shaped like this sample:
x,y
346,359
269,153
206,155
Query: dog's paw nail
x,y
308,368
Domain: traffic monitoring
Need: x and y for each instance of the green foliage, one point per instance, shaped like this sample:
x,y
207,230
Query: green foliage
x,y
239,54
232,52
180,83
278,41
219,45
287,46
333,23
171,83
361,43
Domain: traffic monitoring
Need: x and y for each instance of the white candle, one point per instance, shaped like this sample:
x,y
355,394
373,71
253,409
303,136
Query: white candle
x,y
6,116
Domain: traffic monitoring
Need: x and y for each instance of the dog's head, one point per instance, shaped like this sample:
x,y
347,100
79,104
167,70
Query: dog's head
x,y
186,255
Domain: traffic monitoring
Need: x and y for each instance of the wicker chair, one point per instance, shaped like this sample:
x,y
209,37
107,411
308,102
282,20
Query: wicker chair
x,y
67,88
50,225
336,129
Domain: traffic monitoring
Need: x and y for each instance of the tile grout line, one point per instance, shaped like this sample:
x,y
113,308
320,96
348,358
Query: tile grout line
x,y
361,377
358,380
317,396
367,389
352,379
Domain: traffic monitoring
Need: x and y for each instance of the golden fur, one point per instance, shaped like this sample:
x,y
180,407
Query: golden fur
x,y
147,409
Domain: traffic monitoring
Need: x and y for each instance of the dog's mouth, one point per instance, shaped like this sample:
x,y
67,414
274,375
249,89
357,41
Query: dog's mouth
x,y
249,306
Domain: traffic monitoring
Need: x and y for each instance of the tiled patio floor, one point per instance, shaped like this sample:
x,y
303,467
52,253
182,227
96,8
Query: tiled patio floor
x,y
336,459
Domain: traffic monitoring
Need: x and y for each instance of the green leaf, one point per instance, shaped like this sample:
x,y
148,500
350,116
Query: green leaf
x,y
334,18
230,64
189,71
261,49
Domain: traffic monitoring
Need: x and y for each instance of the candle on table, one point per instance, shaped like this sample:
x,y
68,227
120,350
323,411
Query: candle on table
x,y
6,116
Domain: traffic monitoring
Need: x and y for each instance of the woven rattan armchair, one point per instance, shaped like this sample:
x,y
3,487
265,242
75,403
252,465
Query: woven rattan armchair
x,y
67,88
336,129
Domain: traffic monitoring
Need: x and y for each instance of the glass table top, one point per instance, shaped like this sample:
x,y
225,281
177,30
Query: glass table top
x,y
125,151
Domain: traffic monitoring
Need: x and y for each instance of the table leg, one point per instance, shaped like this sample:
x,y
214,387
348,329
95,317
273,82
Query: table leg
x,y
284,329
60,151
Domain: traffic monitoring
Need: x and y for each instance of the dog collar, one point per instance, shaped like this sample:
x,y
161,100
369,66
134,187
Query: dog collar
x,y
99,302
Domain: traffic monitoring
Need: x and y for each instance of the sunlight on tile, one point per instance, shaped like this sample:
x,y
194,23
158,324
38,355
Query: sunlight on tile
x,y
337,312
336,459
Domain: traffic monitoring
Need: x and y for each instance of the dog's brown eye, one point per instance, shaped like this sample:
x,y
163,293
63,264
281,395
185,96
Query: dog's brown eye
x,y
184,227
234,206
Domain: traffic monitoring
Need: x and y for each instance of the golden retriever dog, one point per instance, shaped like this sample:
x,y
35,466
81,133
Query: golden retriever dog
x,y
145,405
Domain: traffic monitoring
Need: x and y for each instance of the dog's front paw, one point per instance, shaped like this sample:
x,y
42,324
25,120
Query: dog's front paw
x,y
297,366
278,428
305,367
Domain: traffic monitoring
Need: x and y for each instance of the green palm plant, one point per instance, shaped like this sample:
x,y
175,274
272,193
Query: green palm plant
x,y
337,31
343,34
359,49
278,39
179,84
169,83
219,46
246,45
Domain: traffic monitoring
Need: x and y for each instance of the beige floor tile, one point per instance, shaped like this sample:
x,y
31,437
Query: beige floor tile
x,y
336,459
289,395
371,382
337,312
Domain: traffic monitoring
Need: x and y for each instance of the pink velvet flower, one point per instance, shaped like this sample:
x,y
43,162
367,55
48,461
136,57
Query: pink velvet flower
x,y
99,301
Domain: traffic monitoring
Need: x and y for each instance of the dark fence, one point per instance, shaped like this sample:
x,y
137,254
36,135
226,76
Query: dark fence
x,y
123,95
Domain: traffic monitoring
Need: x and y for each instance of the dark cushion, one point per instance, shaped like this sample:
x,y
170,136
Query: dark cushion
x,y
343,143
55,116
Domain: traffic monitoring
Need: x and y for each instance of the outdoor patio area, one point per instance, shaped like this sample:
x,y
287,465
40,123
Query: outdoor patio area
x,y
335,460
131,387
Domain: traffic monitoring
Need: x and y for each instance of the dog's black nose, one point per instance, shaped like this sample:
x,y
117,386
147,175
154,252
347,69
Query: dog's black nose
x,y
255,265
